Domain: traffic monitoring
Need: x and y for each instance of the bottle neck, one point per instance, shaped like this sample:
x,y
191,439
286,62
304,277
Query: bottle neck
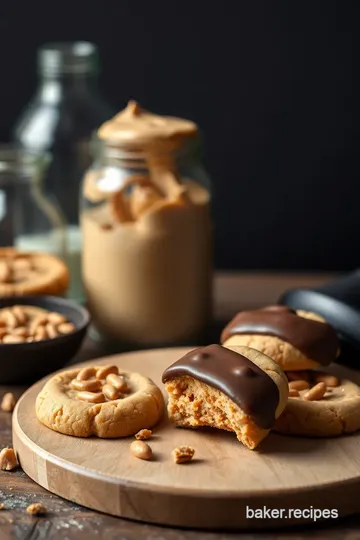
x,y
53,88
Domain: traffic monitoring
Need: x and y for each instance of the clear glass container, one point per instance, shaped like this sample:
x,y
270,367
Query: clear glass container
x,y
61,118
29,221
147,243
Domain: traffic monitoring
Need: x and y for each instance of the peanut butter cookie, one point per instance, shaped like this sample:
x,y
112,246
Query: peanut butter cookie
x,y
239,390
99,400
323,406
295,340
31,273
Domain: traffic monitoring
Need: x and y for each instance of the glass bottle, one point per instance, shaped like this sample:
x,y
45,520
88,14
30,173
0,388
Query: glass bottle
x,y
61,118
29,221
147,233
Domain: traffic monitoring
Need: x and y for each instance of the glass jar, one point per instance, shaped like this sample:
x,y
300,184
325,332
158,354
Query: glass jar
x,y
29,221
147,236
61,118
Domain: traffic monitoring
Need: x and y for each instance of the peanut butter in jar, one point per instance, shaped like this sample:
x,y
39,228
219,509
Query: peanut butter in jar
x,y
147,233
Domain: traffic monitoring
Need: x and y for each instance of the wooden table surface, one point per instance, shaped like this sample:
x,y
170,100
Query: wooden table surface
x,y
66,520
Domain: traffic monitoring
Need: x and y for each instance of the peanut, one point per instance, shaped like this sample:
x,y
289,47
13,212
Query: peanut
x,y
117,381
56,318
141,450
110,392
183,454
90,385
293,392
40,334
22,264
326,378
8,402
316,392
143,434
10,319
85,373
91,397
299,385
20,314
36,509
10,338
8,459
66,328
5,272
51,330
39,321
298,375
3,332
103,372
21,331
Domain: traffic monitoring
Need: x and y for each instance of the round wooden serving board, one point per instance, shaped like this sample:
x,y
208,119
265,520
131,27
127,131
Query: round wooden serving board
x,y
212,491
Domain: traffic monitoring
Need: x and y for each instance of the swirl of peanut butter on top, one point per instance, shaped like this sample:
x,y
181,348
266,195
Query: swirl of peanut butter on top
x,y
157,137
135,126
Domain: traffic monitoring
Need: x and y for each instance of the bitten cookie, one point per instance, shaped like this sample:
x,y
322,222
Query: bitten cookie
x,y
239,390
31,273
295,340
324,407
99,400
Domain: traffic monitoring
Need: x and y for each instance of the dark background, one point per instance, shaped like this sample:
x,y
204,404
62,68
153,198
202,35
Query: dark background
x,y
272,85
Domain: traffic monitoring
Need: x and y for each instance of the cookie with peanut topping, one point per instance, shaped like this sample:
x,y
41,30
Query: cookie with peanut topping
x,y
295,340
320,405
104,401
239,390
31,273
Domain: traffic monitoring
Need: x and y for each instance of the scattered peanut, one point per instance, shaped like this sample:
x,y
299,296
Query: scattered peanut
x,y
117,382
36,509
103,372
8,459
316,392
326,378
293,392
141,450
8,402
298,375
143,434
110,392
90,385
86,373
91,397
183,454
2,506
299,385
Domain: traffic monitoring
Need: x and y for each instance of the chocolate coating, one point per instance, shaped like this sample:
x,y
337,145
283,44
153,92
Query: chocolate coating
x,y
234,375
316,340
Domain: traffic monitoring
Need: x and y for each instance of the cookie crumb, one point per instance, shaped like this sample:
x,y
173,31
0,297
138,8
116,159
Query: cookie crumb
x,y
183,454
8,402
143,434
8,459
36,509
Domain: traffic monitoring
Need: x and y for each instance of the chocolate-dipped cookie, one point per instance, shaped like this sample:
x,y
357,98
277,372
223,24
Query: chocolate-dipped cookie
x,y
236,389
295,340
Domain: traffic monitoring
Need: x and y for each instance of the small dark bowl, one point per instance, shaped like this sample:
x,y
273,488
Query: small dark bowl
x,y
22,363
